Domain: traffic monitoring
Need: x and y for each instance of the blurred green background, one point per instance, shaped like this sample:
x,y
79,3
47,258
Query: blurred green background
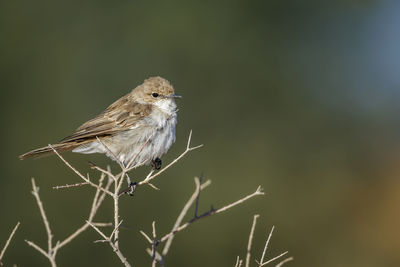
x,y
301,97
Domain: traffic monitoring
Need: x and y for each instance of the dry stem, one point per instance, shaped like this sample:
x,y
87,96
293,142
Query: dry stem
x,y
212,212
184,211
284,261
8,242
168,238
251,239
52,250
109,241
187,150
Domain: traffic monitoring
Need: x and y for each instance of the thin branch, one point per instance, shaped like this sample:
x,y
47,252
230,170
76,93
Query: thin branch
x,y
32,244
266,246
158,257
277,257
35,193
69,185
251,239
238,262
154,246
97,201
8,241
284,261
184,211
102,224
146,236
107,172
188,149
99,231
78,173
115,229
256,193
114,247
212,212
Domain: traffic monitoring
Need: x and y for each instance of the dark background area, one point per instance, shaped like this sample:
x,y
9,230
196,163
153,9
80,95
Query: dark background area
x,y
301,97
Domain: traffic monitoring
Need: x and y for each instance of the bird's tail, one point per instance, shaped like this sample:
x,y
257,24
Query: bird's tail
x,y
47,150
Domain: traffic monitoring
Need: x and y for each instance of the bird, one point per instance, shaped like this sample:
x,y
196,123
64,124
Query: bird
x,y
137,129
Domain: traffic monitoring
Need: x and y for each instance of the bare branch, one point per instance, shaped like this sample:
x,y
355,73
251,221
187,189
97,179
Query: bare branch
x,y
266,246
146,236
115,229
109,241
251,239
184,211
78,173
238,262
158,257
188,149
212,212
256,193
154,246
69,185
277,257
35,193
284,261
52,261
8,241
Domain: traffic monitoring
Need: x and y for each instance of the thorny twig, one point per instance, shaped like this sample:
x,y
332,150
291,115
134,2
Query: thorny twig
x,y
195,197
52,250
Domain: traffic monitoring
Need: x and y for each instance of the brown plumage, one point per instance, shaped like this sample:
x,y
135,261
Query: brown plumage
x,y
135,113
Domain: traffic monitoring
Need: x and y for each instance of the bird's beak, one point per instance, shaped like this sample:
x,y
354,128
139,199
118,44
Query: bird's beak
x,y
175,96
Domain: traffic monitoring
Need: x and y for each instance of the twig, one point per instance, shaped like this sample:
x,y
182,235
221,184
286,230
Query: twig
x,y
266,246
188,149
261,262
212,212
69,185
251,239
97,201
109,241
32,244
8,242
50,252
238,262
277,257
154,246
256,193
158,257
184,211
284,261
78,173
35,193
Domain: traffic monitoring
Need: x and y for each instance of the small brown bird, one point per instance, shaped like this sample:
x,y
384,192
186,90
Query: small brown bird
x,y
146,114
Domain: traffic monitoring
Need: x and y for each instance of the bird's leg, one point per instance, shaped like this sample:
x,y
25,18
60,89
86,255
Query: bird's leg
x,y
131,185
156,163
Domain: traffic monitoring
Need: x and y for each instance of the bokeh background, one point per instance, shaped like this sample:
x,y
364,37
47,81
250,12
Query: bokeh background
x,y
301,97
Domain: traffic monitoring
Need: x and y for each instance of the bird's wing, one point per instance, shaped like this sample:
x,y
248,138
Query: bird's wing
x,y
122,115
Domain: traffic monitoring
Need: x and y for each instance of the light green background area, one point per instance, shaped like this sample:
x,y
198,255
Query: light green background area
x,y
300,97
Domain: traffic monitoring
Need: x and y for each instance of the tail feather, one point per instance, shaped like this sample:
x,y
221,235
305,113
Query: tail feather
x,y
47,150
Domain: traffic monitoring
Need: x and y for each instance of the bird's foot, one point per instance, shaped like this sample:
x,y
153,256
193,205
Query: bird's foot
x,y
156,163
130,190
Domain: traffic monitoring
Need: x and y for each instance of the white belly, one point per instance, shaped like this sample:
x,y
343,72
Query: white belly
x,y
131,143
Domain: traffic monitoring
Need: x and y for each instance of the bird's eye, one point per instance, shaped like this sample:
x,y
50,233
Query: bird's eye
x,y
154,95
